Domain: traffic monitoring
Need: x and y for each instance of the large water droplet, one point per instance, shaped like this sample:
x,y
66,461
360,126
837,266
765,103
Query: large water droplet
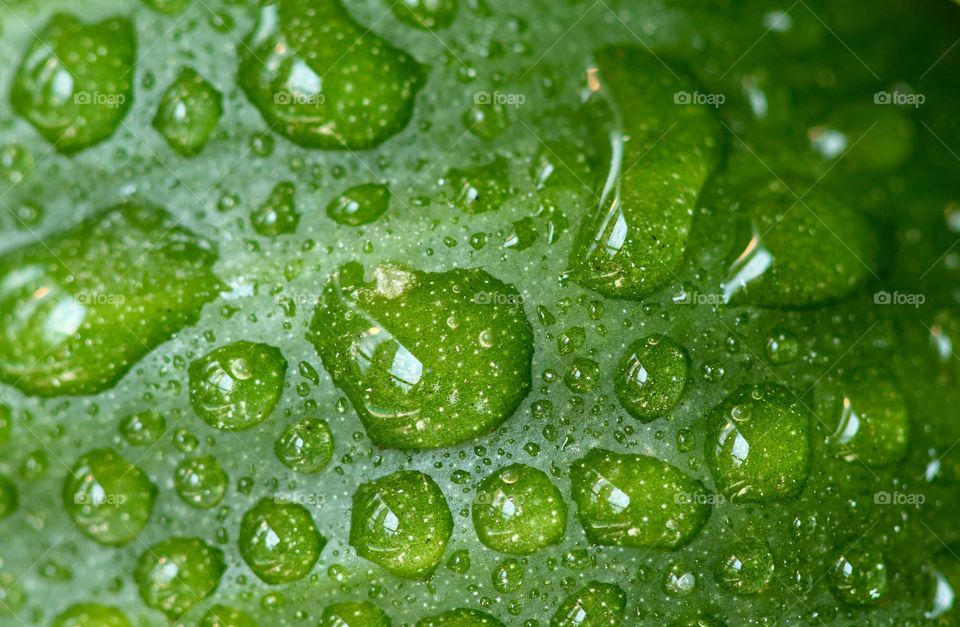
x,y
869,415
279,541
651,377
72,323
354,614
414,381
597,604
236,386
637,501
74,83
324,81
658,152
91,615
758,444
188,113
518,510
401,522
460,617
305,446
108,498
178,573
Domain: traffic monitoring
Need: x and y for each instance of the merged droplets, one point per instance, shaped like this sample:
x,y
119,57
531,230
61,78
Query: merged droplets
x,y
324,81
428,359
597,604
188,113
636,501
306,446
74,84
200,481
859,575
401,522
108,498
70,323
91,615
758,444
279,541
354,614
236,386
518,510
651,377
868,413
359,205
174,575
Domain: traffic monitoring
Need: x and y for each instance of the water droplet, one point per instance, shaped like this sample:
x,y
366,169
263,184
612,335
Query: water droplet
x,y
278,214
279,541
518,510
91,615
747,568
631,243
143,428
508,576
71,331
401,522
224,616
782,347
679,581
597,603
200,481
324,81
306,446
359,205
354,614
178,573
108,498
481,188
651,377
764,453
636,501
860,575
582,376
188,113
74,84
236,386
869,414
460,617
415,382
